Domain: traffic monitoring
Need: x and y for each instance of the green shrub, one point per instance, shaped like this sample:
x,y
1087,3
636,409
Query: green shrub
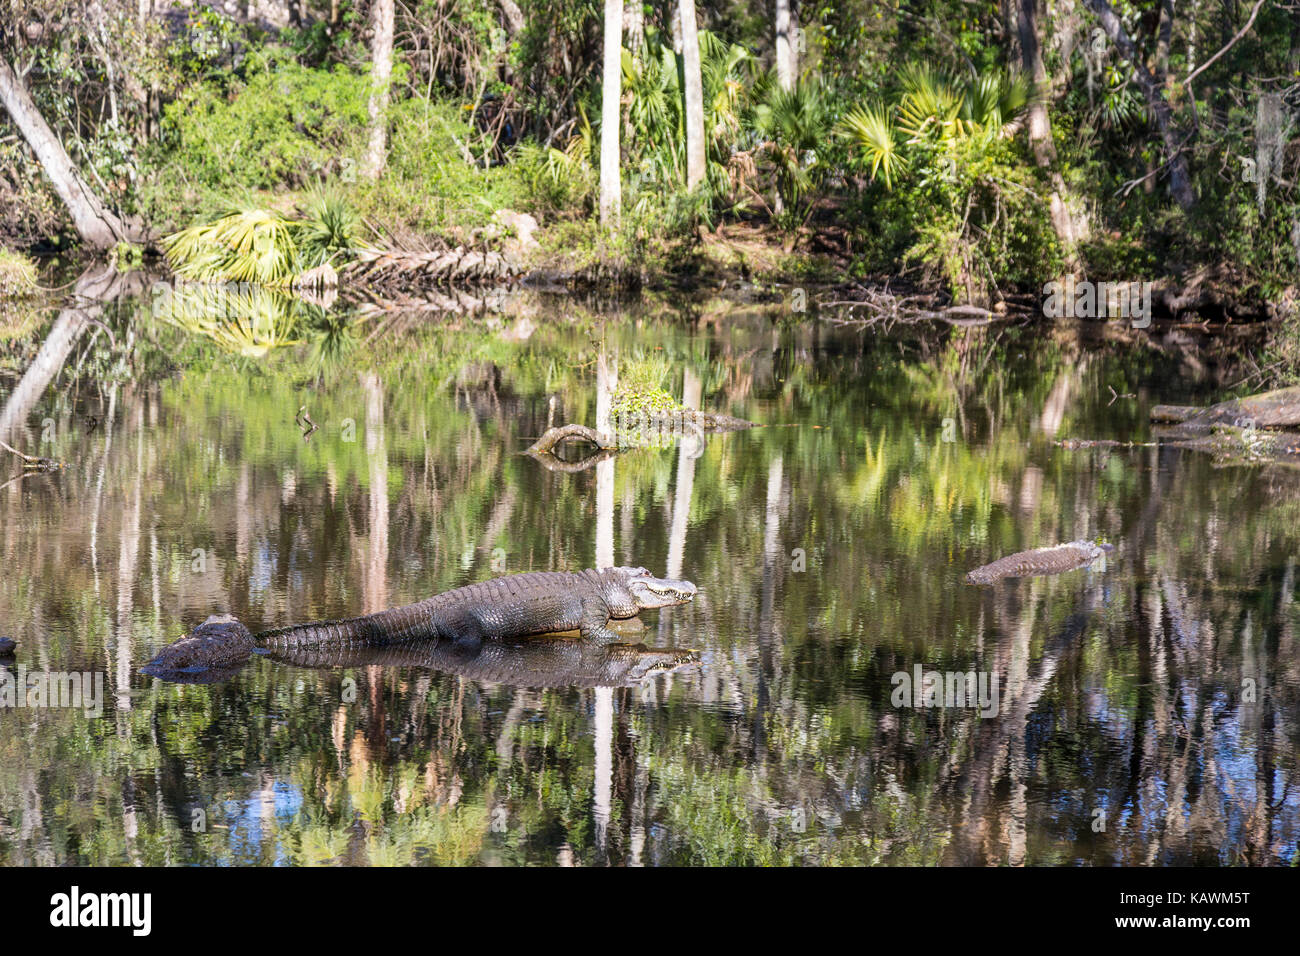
x,y
286,125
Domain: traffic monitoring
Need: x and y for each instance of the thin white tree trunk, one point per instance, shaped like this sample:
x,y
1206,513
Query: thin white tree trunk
x,y
634,26
611,191
694,90
787,45
93,221
381,73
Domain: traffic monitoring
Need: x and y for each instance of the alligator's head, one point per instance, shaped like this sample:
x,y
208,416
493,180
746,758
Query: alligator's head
x,y
643,662
219,642
628,591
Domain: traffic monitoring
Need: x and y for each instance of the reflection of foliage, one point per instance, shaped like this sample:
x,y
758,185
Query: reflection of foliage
x,y
249,320
17,274
796,758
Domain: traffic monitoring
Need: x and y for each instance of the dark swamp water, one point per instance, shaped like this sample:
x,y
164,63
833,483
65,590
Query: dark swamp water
x,y
1146,711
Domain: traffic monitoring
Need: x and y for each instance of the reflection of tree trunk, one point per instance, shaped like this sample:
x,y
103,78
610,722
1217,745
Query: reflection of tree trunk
x,y
55,349
686,455
375,588
604,782
1058,400
606,382
127,563
375,573
94,222
766,624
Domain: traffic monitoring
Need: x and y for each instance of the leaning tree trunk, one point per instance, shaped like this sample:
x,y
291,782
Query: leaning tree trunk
x,y
611,190
381,73
1068,231
694,90
93,221
1180,182
787,50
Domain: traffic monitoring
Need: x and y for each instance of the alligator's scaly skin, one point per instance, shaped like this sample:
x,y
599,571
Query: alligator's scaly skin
x,y
519,605
553,662
1055,560
515,606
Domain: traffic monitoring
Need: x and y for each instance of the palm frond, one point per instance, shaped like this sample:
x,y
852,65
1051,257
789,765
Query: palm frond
x,y
871,129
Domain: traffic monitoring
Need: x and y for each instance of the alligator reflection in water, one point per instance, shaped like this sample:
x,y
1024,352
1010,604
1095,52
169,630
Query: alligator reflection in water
x,y
536,662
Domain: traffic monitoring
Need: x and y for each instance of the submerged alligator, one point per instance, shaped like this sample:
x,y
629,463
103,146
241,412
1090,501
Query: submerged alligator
x,y
1054,560
518,605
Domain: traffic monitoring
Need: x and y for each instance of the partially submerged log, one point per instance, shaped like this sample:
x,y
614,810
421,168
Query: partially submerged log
x,y
1276,409
561,433
379,268
1054,560
630,430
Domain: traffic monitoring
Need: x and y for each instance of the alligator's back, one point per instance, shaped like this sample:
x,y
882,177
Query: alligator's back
x,y
516,605
1054,560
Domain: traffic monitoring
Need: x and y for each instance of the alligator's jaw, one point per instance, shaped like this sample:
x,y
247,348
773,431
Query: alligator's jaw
x,y
651,592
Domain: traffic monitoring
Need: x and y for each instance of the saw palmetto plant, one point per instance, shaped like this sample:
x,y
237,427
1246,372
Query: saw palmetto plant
x,y
263,246
935,110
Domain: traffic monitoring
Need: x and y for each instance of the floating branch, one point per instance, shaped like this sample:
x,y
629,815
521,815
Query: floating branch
x,y
34,462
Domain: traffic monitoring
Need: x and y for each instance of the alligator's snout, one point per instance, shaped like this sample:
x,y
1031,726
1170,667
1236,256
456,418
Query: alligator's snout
x,y
652,592
219,642
664,660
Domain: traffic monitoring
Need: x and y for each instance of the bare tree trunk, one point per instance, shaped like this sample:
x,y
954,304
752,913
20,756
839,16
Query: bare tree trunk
x,y
93,221
1040,132
514,17
381,72
1180,181
787,49
611,190
694,90
634,26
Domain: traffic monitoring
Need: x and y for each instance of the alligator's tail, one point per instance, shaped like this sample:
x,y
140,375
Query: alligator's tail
x,y
398,625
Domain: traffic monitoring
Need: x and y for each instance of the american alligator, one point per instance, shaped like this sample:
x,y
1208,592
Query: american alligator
x,y
1054,560
554,662
515,606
